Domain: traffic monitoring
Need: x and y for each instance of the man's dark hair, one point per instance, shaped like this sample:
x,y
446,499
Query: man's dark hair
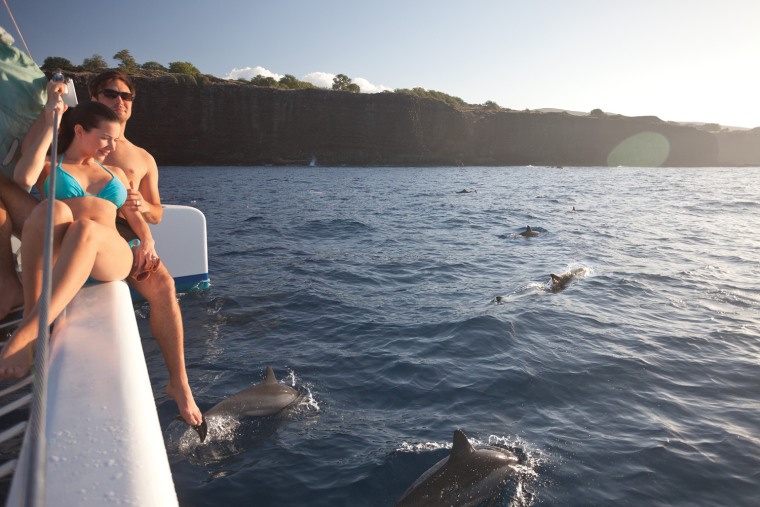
x,y
97,83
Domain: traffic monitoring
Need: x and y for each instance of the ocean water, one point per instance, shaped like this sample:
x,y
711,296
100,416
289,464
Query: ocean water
x,y
374,292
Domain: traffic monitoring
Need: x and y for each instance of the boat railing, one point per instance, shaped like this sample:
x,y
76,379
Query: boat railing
x,y
6,407
10,400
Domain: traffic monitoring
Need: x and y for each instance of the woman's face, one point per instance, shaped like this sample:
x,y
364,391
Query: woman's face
x,y
101,140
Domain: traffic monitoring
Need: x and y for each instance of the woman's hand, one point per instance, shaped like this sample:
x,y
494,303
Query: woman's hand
x,y
55,88
54,103
145,259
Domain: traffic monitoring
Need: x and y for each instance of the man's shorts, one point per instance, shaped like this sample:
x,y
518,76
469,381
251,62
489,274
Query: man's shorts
x,y
129,235
125,230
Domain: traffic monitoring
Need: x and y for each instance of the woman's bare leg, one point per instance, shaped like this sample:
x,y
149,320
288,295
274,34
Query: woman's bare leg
x,y
15,206
12,295
87,247
16,356
33,243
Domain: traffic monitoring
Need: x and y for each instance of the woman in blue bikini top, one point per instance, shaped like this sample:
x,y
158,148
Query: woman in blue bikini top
x,y
87,198
67,186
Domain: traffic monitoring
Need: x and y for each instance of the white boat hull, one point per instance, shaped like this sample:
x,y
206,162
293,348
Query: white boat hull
x,y
104,440
181,245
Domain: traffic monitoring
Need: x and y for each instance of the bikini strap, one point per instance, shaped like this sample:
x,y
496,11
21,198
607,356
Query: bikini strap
x,y
106,169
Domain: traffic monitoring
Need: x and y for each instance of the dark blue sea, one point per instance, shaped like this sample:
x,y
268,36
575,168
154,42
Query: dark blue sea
x,y
374,292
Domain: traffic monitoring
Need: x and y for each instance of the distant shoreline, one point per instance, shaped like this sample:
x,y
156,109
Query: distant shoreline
x,y
188,121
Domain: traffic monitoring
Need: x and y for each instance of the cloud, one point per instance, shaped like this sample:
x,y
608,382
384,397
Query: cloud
x,y
367,87
319,79
250,72
325,80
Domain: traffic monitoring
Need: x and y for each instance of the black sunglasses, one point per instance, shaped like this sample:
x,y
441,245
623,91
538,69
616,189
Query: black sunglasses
x,y
112,94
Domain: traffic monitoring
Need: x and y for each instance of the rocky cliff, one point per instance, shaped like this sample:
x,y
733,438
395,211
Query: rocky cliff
x,y
184,121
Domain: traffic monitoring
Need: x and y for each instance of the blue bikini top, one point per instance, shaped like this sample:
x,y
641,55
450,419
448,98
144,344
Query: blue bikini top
x,y
67,187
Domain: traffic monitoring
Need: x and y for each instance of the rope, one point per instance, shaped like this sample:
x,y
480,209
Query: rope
x,y
17,29
35,486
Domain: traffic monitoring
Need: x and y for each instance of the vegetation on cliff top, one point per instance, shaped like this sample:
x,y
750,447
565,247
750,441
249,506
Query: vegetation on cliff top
x,y
97,63
187,73
341,82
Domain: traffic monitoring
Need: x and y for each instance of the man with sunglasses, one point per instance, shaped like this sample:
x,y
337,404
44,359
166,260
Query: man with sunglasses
x,y
114,89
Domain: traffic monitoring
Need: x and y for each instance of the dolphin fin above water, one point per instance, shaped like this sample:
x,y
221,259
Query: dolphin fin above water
x,y
559,282
266,398
461,448
467,477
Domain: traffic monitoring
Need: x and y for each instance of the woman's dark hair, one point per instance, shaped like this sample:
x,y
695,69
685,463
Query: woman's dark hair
x,y
87,114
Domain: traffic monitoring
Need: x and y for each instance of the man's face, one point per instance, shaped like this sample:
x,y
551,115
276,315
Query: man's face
x,y
122,108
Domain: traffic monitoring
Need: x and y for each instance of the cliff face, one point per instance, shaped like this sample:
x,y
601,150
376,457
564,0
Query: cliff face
x,y
227,123
739,148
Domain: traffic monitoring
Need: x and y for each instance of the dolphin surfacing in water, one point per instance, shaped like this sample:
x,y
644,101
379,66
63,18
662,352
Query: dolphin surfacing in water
x,y
467,477
559,282
529,232
267,398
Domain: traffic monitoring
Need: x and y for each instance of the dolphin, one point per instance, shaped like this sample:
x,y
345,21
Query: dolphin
x,y
528,232
466,477
267,398
558,282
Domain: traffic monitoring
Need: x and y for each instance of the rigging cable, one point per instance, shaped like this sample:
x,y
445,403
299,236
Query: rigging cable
x,y
17,29
37,463
35,486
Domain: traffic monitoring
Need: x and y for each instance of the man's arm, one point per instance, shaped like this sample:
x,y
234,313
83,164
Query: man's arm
x,y
150,205
145,255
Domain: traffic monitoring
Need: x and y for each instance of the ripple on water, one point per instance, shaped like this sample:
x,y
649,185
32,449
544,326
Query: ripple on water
x,y
635,384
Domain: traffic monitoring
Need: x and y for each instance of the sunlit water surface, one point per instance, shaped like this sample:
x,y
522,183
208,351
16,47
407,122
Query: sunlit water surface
x,y
373,291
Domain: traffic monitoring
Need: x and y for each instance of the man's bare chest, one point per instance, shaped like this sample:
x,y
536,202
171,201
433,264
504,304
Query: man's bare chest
x,y
132,166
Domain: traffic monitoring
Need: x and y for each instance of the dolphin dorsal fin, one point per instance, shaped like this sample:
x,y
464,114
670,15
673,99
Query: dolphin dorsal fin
x,y
461,448
270,379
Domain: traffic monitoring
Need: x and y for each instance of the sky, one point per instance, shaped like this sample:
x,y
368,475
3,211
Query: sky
x,y
680,60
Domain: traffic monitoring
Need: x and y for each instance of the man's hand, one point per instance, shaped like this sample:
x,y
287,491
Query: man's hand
x,y
135,201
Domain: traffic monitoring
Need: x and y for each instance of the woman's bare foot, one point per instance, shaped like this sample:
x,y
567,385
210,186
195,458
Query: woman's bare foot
x,y
17,354
15,363
183,396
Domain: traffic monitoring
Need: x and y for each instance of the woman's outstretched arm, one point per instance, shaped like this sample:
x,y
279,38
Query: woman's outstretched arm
x,y
33,159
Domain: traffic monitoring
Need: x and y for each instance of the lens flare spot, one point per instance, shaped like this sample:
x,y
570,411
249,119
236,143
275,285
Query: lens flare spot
x,y
645,149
